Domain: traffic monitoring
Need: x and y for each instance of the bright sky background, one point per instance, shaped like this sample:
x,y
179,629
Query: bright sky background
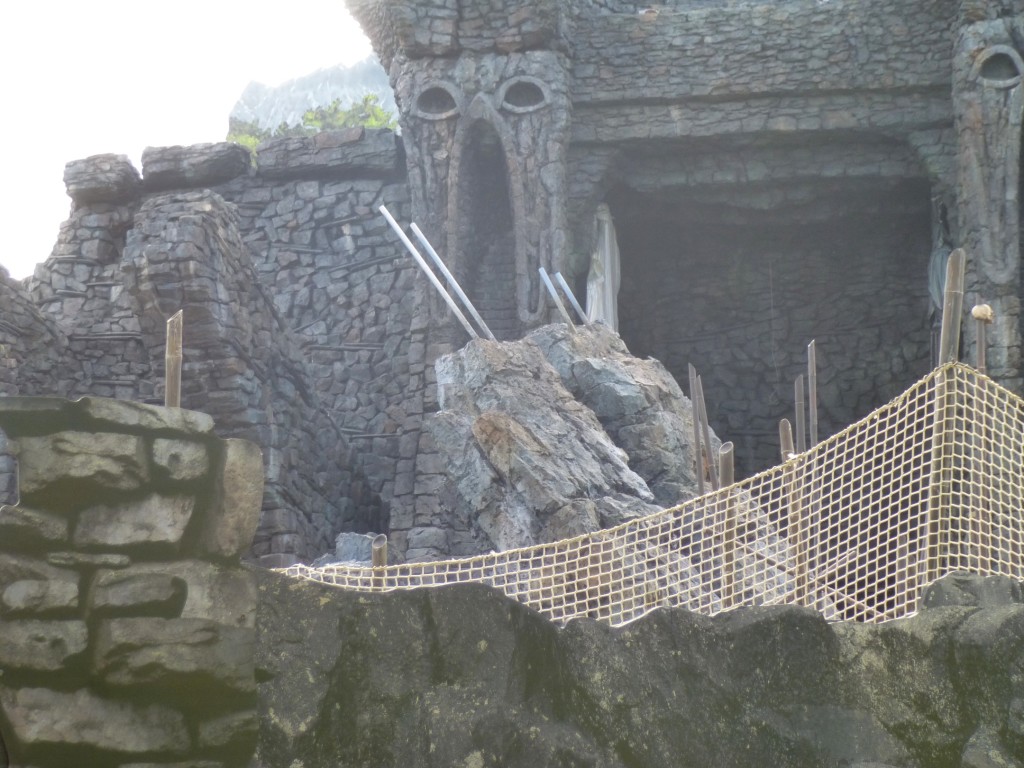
x,y
82,77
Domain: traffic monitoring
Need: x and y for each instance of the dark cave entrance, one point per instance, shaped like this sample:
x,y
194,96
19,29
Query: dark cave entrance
x,y
487,253
739,287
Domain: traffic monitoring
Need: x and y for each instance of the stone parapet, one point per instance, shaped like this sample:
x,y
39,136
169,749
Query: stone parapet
x,y
128,622
199,165
353,152
102,179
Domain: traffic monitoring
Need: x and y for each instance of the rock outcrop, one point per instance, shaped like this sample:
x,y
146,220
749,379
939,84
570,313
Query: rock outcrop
x,y
460,676
546,438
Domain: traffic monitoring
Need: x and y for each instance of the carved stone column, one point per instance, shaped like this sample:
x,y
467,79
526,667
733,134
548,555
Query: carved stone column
x,y
988,102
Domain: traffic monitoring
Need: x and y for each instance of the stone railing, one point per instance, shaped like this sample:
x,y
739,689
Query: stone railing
x,y
127,622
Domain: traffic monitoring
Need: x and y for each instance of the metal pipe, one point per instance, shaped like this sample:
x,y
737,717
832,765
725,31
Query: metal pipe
x,y
558,301
812,394
452,281
572,297
429,272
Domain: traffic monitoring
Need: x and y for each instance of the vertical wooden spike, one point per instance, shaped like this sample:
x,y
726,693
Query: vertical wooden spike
x,y
172,361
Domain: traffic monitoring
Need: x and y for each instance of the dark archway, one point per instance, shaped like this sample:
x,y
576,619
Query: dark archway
x,y
486,264
738,283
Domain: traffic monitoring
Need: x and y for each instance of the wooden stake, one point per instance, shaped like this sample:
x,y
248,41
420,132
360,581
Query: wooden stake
x,y
812,394
172,361
698,451
452,282
379,550
982,314
801,429
706,433
786,440
729,527
952,308
794,522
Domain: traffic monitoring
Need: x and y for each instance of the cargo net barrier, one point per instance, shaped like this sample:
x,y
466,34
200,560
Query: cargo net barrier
x,y
928,484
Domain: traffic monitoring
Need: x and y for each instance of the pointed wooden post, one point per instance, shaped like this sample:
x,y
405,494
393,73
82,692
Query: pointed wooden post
x,y
730,525
801,427
172,361
697,449
812,394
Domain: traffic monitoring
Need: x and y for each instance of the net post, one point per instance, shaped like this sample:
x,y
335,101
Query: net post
x,y
379,558
172,361
698,461
794,523
801,410
726,464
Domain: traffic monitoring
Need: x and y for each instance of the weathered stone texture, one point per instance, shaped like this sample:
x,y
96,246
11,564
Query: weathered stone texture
x,y
199,165
463,676
101,179
123,636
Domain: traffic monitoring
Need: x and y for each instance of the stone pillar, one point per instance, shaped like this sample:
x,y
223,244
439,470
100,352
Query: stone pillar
x,y
128,623
988,101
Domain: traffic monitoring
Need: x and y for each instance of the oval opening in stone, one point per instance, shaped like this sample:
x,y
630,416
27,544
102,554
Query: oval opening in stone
x,y
523,95
999,66
436,101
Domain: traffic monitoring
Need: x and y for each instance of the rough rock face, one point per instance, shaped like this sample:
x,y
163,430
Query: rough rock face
x,y
460,676
127,623
547,438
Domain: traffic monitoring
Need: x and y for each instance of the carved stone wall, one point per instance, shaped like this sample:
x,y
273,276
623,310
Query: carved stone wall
x,y
128,624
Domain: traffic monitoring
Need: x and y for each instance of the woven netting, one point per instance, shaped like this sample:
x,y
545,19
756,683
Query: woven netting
x,y
928,484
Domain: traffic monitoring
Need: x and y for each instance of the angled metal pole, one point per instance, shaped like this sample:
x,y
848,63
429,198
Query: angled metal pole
x,y
429,272
452,281
554,295
697,445
572,297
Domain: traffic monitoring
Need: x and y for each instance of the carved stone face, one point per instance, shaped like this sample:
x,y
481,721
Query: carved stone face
x,y
486,136
988,95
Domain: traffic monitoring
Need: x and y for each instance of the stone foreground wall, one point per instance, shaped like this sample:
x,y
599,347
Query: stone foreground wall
x,y
461,676
127,623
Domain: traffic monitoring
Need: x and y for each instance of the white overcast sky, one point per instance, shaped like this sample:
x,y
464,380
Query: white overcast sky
x,y
82,77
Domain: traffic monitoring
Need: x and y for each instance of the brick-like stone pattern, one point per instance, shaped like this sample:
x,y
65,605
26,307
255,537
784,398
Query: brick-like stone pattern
x,y
518,118
128,621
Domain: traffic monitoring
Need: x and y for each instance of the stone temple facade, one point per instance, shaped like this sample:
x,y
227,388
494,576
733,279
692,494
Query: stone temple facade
x,y
777,172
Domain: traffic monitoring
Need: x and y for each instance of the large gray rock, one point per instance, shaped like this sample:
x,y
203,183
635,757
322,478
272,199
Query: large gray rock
x,y
41,646
638,403
463,676
521,461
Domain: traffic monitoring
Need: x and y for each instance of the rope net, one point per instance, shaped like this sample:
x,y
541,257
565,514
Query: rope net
x,y
928,484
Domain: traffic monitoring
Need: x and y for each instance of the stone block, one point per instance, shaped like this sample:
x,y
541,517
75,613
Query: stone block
x,y
14,568
223,595
232,520
182,460
123,413
41,646
175,653
198,165
40,718
131,593
155,521
87,561
106,178
32,527
33,597
235,731
85,461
